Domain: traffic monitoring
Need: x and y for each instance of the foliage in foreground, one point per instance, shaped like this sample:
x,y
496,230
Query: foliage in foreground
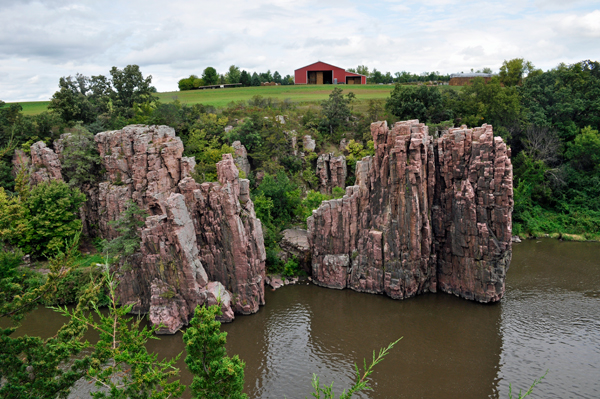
x,y
32,366
362,379
120,364
529,391
216,376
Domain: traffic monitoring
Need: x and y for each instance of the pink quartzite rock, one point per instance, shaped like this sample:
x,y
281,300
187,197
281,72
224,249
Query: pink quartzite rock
x,y
331,171
308,143
200,241
196,234
241,157
424,215
294,243
20,163
218,295
45,165
230,238
167,308
472,213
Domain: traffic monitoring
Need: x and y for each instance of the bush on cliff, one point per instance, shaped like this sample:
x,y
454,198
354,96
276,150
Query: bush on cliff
x,y
337,109
128,226
207,152
80,159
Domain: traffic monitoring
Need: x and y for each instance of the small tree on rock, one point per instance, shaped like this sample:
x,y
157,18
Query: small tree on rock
x,y
128,226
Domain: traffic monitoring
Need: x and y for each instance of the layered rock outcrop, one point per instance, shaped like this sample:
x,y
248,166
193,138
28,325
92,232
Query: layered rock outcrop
x,y
294,243
203,232
331,171
45,165
424,215
201,243
241,157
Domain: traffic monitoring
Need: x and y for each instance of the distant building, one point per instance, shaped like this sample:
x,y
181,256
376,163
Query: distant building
x,y
464,79
321,73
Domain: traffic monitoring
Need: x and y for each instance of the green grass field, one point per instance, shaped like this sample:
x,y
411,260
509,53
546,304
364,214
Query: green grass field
x,y
34,107
297,94
301,94
221,97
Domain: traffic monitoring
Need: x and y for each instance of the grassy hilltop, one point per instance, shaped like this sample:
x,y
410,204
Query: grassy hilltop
x,y
221,97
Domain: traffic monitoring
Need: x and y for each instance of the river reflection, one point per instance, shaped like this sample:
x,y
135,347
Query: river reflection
x,y
452,348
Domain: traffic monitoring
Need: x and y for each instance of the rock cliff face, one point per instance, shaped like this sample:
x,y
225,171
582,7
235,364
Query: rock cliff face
x,y
45,165
424,215
197,232
241,157
201,243
331,171
294,243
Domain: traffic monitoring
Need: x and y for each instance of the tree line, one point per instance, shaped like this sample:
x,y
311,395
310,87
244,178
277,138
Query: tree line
x,y
210,76
550,120
234,75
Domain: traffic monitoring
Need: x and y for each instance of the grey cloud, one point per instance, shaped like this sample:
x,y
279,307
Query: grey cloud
x,y
322,41
43,40
471,52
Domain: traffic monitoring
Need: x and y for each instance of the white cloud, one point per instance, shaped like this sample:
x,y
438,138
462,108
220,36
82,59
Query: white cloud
x,y
41,41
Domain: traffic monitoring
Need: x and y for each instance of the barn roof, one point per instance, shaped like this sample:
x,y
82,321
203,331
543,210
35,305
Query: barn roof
x,y
326,63
471,75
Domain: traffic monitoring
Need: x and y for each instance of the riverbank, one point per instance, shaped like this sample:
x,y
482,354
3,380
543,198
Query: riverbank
x,y
560,236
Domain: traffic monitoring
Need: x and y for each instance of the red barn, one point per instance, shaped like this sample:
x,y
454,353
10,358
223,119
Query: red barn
x,y
322,73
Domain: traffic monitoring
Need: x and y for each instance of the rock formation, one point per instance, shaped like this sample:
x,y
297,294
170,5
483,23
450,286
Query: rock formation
x,y
295,243
424,215
331,171
241,157
45,165
201,243
293,138
308,143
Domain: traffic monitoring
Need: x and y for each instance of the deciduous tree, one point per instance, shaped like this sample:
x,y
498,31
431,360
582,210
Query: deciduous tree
x,y
210,76
234,74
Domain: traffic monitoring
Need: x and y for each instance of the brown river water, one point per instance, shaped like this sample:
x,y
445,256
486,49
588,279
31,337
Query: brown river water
x,y
451,348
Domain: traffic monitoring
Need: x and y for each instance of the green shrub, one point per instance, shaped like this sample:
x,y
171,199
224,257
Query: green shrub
x,y
312,201
128,225
338,192
291,268
80,159
53,209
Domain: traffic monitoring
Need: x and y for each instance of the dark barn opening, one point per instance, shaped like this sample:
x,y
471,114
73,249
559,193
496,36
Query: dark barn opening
x,y
320,77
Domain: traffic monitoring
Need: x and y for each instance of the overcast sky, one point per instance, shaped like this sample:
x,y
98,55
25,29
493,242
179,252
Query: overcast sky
x,y
40,41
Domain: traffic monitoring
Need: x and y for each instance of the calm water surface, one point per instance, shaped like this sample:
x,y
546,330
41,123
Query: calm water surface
x,y
451,348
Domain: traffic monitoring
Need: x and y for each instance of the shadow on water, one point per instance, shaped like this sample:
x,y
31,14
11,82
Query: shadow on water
x,y
452,348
